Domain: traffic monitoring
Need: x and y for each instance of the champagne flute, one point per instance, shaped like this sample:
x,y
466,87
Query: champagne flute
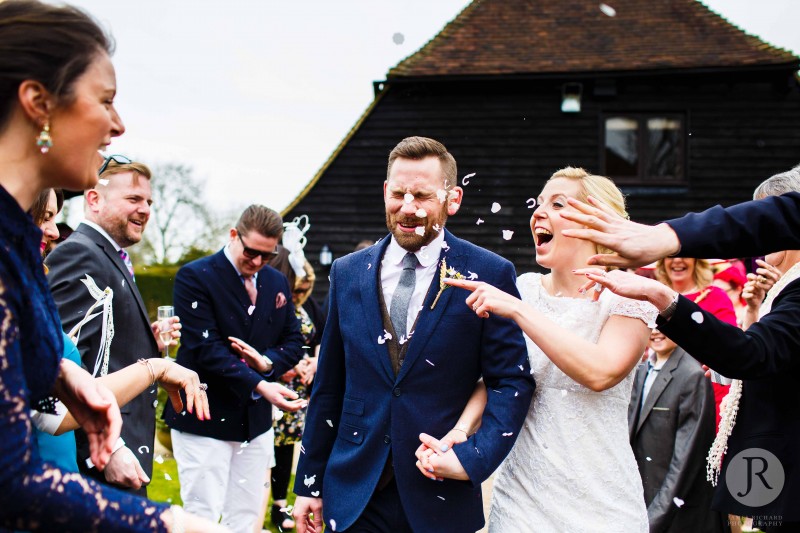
x,y
165,312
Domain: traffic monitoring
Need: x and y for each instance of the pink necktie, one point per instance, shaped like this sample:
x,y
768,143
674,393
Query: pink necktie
x,y
250,287
127,260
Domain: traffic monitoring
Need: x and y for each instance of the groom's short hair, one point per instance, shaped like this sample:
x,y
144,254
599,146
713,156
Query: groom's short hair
x,y
420,148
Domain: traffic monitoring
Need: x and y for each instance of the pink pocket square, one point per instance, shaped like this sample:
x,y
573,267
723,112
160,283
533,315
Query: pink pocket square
x,y
280,300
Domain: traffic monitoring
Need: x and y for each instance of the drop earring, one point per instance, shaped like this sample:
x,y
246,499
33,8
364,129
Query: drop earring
x,y
43,140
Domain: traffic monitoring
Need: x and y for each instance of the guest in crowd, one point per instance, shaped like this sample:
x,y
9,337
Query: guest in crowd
x,y
692,278
116,212
241,334
56,111
289,429
671,421
732,280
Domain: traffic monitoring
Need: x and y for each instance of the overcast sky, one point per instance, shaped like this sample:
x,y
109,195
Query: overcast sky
x,y
256,94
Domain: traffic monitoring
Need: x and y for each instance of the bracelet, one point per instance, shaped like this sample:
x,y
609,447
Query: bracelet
x,y
668,311
150,368
462,430
177,519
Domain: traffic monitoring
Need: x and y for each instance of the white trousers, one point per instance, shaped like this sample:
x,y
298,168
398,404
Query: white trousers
x,y
220,477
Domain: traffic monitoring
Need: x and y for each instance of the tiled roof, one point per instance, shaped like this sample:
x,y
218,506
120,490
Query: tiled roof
x,y
491,37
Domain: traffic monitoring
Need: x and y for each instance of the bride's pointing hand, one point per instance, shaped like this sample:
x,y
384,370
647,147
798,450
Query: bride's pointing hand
x,y
487,299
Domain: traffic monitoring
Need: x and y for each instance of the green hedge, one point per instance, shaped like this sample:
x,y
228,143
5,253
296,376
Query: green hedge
x,y
155,285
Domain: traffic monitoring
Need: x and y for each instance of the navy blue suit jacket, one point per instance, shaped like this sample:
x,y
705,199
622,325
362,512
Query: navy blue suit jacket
x,y
766,356
213,304
360,411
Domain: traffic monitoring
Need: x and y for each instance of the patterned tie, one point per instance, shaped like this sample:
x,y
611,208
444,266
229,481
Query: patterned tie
x,y
250,287
402,295
127,260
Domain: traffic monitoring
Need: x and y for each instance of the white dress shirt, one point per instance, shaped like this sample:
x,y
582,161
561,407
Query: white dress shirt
x,y
392,268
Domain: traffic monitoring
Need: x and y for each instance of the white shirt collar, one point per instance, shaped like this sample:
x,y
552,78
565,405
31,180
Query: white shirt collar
x,y
228,255
102,232
427,255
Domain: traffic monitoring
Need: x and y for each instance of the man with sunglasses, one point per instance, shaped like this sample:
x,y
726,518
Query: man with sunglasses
x,y
240,333
116,213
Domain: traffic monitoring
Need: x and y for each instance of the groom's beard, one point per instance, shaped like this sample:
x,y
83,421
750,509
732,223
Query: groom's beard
x,y
412,242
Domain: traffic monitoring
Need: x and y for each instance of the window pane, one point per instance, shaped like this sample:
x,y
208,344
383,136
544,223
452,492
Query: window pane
x,y
622,139
663,144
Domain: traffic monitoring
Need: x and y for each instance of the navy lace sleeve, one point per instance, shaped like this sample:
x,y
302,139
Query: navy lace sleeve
x,y
35,496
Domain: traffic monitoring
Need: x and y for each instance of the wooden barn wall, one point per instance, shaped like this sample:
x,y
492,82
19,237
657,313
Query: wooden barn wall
x,y
512,135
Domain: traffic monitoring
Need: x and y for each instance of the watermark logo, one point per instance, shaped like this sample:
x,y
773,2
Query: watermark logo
x,y
755,477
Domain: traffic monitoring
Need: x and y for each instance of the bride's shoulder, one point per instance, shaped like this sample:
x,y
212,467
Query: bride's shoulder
x,y
619,305
529,283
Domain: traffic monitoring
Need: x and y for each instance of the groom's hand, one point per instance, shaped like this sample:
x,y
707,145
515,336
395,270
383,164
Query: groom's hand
x,y
440,460
304,507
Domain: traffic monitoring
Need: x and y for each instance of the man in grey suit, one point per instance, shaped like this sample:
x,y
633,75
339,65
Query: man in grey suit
x,y
116,211
671,422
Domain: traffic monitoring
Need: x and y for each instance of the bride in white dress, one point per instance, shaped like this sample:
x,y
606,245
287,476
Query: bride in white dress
x,y
572,468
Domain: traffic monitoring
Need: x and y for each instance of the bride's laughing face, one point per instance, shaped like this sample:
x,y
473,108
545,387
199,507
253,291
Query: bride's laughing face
x,y
553,250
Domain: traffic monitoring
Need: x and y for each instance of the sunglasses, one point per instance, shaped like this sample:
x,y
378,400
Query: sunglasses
x,y
252,253
116,158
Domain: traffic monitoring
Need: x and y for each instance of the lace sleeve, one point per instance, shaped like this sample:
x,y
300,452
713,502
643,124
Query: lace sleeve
x,y
644,311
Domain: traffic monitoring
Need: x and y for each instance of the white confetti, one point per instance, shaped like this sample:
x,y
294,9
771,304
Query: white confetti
x,y
302,449
516,394
531,203
222,420
398,38
288,508
103,182
697,316
472,275
194,305
648,459
123,282
495,207
355,433
205,334
445,246
465,179
419,230
429,362
167,477
508,434
242,480
159,459
330,422
608,10
421,213
437,228
678,501
333,524
369,266
308,481
522,368
440,497
251,309
402,340
479,222
315,493
155,403
507,234
441,194
408,198
245,444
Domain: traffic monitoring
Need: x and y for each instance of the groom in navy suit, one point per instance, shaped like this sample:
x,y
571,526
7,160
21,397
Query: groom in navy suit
x,y
401,356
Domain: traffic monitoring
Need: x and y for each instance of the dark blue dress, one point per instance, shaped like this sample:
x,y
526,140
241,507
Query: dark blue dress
x,y
34,495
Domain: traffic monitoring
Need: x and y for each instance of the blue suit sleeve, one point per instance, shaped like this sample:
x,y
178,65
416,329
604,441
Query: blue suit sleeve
x,y
509,386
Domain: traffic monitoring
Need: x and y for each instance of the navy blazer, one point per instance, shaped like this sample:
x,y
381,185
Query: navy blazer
x,y
766,356
213,305
360,411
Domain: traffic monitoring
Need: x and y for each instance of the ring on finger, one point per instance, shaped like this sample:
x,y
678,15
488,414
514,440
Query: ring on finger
x,y
203,387
761,279
474,307
598,287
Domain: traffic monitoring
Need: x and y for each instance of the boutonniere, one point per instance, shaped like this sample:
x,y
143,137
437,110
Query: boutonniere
x,y
445,273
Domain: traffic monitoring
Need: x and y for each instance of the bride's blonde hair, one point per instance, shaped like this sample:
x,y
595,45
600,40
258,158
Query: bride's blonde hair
x,y
599,187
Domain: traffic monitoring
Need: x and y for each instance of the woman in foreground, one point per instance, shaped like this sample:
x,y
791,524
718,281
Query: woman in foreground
x,y
572,467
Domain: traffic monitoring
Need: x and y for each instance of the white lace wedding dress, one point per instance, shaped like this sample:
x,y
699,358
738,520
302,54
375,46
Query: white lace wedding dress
x,y
572,468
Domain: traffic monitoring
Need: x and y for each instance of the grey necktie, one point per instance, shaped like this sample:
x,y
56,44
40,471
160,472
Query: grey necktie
x,y
402,295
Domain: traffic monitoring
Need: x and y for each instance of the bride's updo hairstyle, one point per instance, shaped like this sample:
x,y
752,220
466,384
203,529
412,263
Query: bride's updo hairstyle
x,y
598,187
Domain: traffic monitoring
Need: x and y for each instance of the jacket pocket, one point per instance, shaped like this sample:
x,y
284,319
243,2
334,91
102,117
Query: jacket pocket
x,y
353,406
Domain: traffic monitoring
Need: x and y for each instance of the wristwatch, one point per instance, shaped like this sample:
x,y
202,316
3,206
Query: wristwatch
x,y
668,311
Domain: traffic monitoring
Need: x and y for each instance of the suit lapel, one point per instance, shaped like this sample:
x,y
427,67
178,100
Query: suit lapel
x,y
429,318
370,281
660,383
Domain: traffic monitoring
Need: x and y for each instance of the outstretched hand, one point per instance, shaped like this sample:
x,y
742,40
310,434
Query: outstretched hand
x,y
629,285
486,298
636,244
93,406
175,378
280,396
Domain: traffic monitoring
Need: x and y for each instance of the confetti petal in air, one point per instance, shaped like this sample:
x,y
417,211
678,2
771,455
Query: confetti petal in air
x,y
419,230
103,182
508,434
697,316
421,213
123,283
369,266
441,497
194,305
648,458
205,334
330,422
429,362
479,222
472,275
408,198
167,477
308,481
465,179
402,340
441,194
245,444
159,459
155,403
144,449
445,246
251,309
495,207
608,10
507,234
531,203
678,501
287,509
242,480
333,524
315,493
398,38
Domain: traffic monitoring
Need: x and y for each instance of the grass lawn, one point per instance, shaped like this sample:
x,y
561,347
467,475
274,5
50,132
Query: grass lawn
x,y
165,487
